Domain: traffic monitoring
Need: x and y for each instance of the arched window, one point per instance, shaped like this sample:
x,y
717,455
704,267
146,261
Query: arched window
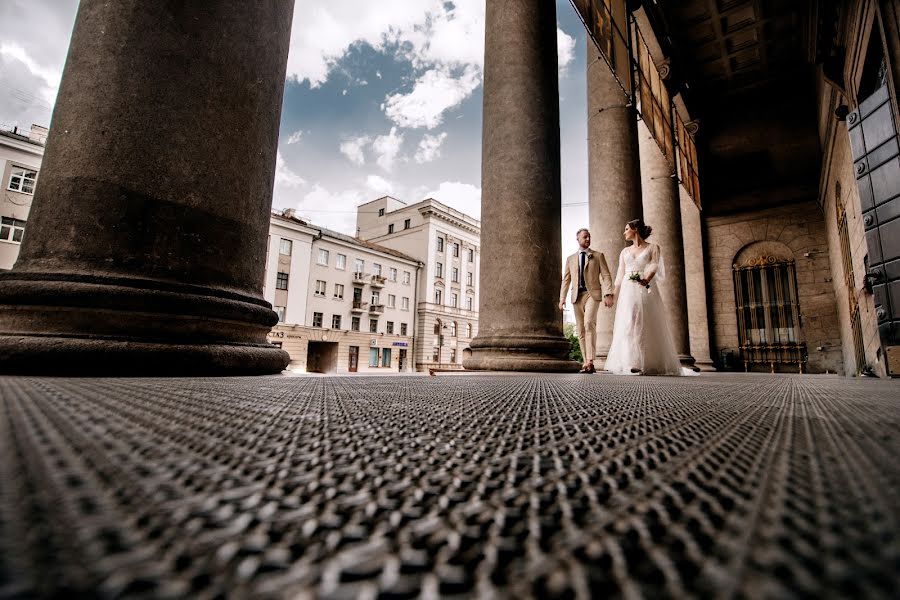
x,y
468,330
768,312
453,329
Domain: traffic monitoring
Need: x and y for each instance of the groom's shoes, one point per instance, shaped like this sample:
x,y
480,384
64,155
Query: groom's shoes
x,y
588,369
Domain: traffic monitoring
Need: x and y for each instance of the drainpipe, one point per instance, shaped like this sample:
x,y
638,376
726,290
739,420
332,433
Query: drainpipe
x,y
415,323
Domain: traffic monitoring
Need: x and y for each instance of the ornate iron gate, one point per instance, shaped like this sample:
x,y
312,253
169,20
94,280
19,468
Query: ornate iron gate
x,y
876,157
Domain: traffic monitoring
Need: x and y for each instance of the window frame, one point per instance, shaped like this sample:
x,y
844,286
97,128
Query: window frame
x,y
282,280
23,178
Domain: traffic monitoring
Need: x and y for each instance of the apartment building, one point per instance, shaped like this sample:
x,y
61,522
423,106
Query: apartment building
x,y
344,305
448,243
21,153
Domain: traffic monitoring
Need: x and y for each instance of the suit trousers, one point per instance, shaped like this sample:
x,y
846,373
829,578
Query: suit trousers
x,y
586,324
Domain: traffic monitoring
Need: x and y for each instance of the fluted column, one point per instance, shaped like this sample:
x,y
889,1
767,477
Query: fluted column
x,y
614,174
695,282
520,327
145,246
662,211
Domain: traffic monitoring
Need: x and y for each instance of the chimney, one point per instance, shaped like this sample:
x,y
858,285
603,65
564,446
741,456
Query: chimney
x,y
38,134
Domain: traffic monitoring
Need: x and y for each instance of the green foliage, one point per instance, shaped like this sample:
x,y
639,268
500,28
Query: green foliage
x,y
574,348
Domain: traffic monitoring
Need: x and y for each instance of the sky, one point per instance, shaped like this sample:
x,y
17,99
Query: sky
x,y
381,98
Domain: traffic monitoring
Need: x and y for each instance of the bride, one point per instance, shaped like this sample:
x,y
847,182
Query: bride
x,y
641,342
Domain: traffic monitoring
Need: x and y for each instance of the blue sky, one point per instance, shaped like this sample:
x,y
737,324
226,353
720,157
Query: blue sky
x,y
381,98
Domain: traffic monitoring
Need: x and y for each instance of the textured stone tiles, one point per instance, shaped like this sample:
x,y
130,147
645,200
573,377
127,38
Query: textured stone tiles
x,y
504,486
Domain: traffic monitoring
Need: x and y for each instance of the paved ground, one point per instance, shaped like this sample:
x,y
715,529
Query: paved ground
x,y
565,486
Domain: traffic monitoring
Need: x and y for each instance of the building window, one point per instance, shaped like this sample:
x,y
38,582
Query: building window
x,y
436,355
391,228
454,275
392,300
339,291
373,357
320,288
389,327
768,314
376,298
471,254
439,270
470,279
454,299
380,212
376,269
406,277
354,323
317,319
335,321
438,297
280,311
404,303
402,328
453,329
469,303
392,274
340,262
440,243
468,330
453,355
373,325
281,281
323,257
357,294
12,230
456,250
285,247
22,180
437,329
386,357
359,265
406,224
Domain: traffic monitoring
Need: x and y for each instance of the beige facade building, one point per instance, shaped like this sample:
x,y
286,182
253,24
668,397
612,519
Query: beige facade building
x,y
447,242
20,162
344,305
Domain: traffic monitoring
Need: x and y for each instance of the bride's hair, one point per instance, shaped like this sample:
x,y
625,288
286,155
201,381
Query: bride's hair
x,y
642,228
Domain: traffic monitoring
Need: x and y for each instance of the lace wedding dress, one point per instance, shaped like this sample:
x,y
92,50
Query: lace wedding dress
x,y
642,342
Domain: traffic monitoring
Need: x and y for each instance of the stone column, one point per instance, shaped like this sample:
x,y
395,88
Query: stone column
x,y
614,174
145,247
662,211
695,282
520,326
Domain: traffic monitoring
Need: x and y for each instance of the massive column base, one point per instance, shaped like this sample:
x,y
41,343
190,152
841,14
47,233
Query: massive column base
x,y
66,324
512,353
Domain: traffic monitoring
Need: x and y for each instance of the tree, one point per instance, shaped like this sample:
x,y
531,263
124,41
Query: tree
x,y
574,347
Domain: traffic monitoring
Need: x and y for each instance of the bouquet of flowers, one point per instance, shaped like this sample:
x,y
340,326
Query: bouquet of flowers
x,y
636,277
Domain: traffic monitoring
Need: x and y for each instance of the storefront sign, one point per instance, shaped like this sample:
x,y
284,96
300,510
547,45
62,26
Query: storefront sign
x,y
404,344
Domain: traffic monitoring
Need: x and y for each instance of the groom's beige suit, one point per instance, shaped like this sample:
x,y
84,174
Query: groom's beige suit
x,y
587,294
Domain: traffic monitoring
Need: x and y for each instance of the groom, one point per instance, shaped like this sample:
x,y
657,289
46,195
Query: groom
x,y
592,283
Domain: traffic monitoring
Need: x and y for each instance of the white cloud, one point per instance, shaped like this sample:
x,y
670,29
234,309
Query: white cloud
x,y
463,197
339,212
565,45
379,185
430,147
295,137
386,148
284,176
435,92
354,149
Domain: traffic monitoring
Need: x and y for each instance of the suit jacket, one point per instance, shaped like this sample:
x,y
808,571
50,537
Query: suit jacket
x,y
596,276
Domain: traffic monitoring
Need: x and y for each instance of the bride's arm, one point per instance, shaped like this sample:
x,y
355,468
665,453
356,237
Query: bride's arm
x,y
652,266
620,273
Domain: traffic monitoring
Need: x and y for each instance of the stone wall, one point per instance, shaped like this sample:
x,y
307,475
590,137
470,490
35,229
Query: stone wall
x,y
800,228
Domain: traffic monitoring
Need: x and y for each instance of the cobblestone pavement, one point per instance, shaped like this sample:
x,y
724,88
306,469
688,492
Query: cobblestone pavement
x,y
502,486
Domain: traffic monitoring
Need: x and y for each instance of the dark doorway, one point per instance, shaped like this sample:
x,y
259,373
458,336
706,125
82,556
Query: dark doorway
x,y
354,359
322,357
402,360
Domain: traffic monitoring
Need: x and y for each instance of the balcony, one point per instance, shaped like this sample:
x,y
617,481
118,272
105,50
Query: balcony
x,y
359,277
377,281
376,308
359,306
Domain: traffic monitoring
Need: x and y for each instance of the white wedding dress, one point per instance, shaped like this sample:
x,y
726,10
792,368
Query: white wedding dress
x,y
642,342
